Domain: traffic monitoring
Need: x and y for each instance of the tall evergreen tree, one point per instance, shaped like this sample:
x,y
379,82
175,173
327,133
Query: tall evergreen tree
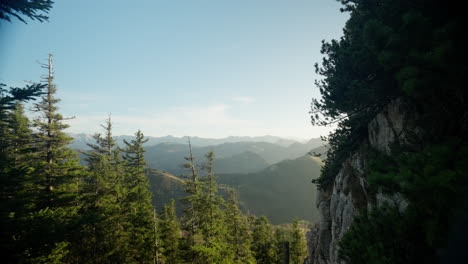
x,y
192,211
137,201
213,246
298,247
15,174
105,227
263,244
169,235
53,189
8,101
206,233
239,235
56,164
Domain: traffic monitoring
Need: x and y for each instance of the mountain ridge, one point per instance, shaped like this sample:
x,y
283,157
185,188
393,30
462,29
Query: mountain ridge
x,y
81,139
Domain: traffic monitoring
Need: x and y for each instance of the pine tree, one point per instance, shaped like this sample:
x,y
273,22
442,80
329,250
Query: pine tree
x,y
57,164
56,175
192,211
105,145
8,101
169,235
15,176
105,237
298,248
263,244
206,234
213,247
33,9
239,235
137,203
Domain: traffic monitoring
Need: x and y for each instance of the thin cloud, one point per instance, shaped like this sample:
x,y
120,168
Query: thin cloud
x,y
213,120
244,99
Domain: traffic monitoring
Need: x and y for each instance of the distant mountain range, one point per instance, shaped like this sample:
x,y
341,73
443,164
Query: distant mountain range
x,y
272,175
238,157
81,139
231,157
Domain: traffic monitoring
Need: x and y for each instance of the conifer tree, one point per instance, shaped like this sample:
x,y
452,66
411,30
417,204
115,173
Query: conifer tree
x,y
239,235
263,244
137,203
20,9
192,200
8,101
298,248
54,187
105,145
105,228
169,235
56,164
213,246
206,234
15,174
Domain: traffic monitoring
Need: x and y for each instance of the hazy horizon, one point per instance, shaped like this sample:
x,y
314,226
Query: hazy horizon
x,y
196,136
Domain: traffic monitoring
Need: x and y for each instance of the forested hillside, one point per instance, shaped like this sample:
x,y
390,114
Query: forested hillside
x,y
278,191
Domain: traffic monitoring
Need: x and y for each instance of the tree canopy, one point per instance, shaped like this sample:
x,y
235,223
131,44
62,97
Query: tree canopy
x,y
24,9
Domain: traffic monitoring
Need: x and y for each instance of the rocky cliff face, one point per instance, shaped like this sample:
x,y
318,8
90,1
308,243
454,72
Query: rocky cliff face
x,y
348,195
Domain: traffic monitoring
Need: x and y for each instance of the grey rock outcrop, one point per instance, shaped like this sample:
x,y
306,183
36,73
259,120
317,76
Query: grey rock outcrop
x,y
348,195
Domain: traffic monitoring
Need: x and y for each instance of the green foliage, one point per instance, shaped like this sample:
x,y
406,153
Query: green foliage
x,y
40,195
298,247
117,211
432,181
33,9
137,207
264,243
204,224
377,237
56,211
169,235
411,50
239,236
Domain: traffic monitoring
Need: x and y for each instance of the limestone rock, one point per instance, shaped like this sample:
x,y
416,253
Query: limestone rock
x,y
348,195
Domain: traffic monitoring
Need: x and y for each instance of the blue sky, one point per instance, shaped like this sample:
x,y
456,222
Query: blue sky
x,y
209,68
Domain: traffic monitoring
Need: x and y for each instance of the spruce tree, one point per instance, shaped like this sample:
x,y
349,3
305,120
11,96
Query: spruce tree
x,y
105,237
206,234
169,235
239,235
8,101
213,246
137,203
15,174
263,244
20,9
298,247
56,163
191,219
54,187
